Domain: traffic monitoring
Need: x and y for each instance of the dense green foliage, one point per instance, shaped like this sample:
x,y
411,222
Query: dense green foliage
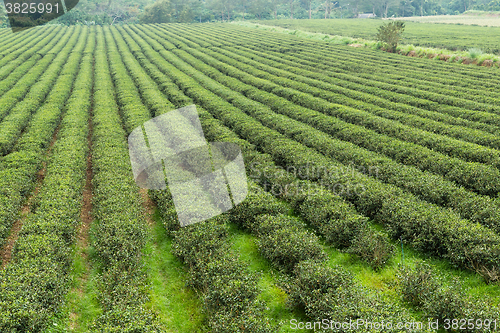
x,y
35,282
390,34
354,156
421,287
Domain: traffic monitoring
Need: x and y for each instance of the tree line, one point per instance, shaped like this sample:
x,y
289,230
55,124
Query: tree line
x,y
228,10
164,11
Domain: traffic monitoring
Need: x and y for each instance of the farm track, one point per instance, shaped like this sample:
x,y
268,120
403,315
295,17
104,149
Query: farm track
x,y
25,160
442,203
83,235
6,250
48,233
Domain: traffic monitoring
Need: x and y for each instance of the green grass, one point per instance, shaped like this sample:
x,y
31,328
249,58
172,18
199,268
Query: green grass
x,y
177,306
81,307
471,17
475,52
274,297
385,280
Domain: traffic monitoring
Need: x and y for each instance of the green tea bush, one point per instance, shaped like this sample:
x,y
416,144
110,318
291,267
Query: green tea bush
x,y
325,292
256,203
285,242
372,247
418,284
422,287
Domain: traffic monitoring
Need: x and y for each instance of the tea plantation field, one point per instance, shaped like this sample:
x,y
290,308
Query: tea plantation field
x,y
437,35
374,184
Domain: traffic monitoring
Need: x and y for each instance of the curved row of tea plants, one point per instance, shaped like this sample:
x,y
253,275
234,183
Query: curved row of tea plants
x,y
353,98
437,67
11,72
19,117
16,49
36,280
458,96
332,221
284,241
326,225
398,92
476,116
18,91
281,253
9,39
20,167
421,286
246,36
436,142
225,292
353,64
402,113
309,69
13,38
345,60
229,290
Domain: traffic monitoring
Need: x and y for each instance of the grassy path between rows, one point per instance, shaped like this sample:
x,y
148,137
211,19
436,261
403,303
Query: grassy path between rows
x,y
177,306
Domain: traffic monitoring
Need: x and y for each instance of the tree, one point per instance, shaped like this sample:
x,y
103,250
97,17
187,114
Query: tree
x,y
260,7
291,3
275,4
159,12
197,8
386,4
307,5
329,5
217,7
390,34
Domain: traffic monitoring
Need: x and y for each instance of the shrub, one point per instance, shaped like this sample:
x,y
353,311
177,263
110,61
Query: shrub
x,y
390,34
447,303
474,53
325,292
423,288
257,202
285,242
417,284
372,247
225,287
